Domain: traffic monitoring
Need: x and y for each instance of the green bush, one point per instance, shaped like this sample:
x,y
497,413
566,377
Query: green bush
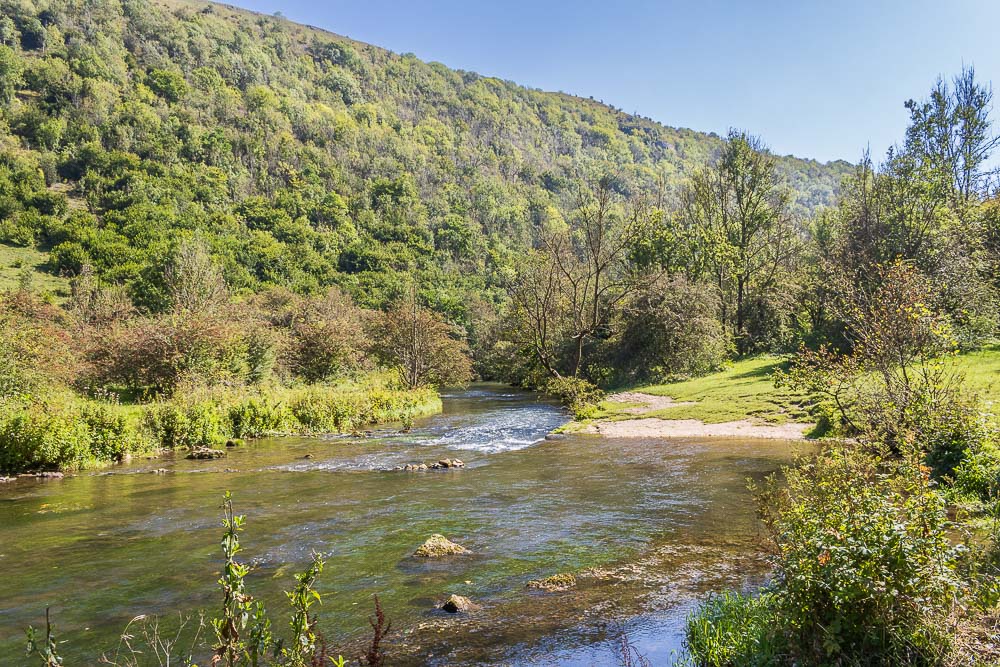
x,y
34,437
865,571
113,437
256,417
200,424
580,396
69,437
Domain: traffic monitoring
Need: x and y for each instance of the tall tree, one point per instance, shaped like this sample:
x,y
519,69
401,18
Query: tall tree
x,y
738,211
949,136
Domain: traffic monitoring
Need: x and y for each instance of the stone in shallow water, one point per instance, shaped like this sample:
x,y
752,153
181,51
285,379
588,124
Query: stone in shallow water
x,y
458,603
448,463
557,582
206,453
437,546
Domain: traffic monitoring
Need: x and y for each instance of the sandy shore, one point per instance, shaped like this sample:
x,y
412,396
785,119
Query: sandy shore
x,y
692,428
655,427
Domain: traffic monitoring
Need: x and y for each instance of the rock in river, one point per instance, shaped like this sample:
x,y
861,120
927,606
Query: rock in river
x,y
206,453
448,463
437,546
458,603
555,583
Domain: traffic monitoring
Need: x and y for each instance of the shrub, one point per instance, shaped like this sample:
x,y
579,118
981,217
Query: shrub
x,y
327,337
38,437
671,330
67,436
200,424
420,346
865,568
580,396
257,416
865,571
157,353
113,437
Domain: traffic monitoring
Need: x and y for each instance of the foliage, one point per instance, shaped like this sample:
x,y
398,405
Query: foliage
x,y
566,298
897,386
866,572
580,396
671,331
738,214
734,629
62,433
297,158
420,346
47,649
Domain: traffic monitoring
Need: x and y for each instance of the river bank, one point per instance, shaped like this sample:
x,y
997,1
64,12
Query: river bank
x,y
71,432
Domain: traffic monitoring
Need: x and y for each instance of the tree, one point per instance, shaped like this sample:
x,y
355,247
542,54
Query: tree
x,y
420,346
193,280
740,213
568,294
949,136
10,74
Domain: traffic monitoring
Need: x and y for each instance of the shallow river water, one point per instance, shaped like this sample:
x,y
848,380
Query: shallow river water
x,y
652,525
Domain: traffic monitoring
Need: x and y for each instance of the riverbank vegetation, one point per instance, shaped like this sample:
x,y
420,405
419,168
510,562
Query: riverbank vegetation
x,y
886,545
97,381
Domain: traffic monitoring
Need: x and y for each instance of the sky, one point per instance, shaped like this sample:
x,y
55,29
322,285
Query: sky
x,y
814,78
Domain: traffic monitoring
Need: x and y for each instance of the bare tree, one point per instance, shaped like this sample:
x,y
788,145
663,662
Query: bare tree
x,y
568,294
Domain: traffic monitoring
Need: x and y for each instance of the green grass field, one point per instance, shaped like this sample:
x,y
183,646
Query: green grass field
x,y
746,390
15,261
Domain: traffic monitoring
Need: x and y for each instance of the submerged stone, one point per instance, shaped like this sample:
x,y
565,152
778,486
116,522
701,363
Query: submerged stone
x,y
557,582
437,546
458,603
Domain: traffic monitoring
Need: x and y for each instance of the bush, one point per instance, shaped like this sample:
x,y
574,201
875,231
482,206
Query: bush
x,y
865,571
157,353
580,396
199,424
256,417
865,568
671,330
327,339
68,437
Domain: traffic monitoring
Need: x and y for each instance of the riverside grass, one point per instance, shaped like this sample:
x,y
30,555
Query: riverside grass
x,y
745,389
65,431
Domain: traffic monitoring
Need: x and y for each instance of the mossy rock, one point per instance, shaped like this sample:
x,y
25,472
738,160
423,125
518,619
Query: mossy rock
x,y
557,582
459,603
437,546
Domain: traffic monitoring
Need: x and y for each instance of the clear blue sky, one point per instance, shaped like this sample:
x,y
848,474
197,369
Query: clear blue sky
x,y
814,78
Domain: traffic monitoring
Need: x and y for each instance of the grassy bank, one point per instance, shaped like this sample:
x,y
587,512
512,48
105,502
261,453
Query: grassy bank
x,y
746,390
68,432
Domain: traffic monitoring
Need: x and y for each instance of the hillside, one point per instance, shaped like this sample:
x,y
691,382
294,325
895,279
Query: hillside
x,y
303,158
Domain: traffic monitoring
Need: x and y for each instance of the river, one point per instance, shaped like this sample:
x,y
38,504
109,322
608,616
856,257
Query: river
x,y
663,523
